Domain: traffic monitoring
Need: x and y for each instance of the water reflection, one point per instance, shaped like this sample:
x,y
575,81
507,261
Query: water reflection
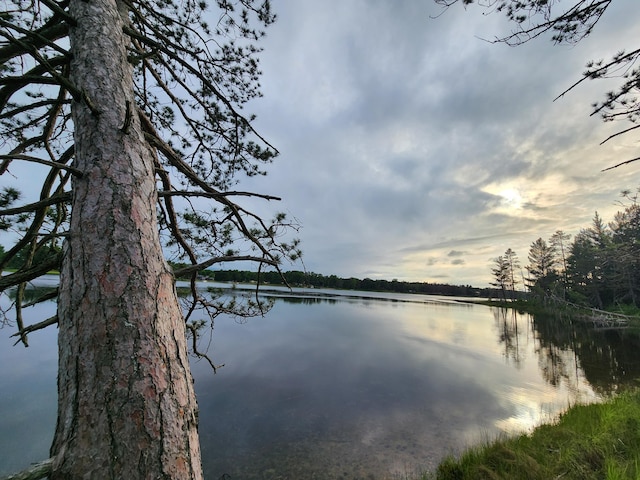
x,y
509,324
307,300
326,386
608,359
34,293
337,387
27,392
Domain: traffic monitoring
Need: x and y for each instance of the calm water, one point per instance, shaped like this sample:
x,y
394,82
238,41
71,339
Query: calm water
x,y
328,386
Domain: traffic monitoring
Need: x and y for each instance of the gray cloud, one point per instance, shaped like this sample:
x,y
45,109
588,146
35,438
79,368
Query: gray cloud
x,y
412,149
405,137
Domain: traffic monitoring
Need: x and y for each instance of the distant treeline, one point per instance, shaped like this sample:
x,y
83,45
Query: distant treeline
x,y
316,280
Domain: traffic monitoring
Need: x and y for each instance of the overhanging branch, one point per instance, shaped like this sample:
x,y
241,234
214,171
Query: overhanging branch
x,y
181,193
7,281
183,272
45,36
29,158
622,163
31,207
36,326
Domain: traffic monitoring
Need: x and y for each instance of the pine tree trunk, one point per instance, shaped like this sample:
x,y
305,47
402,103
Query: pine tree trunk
x,y
126,406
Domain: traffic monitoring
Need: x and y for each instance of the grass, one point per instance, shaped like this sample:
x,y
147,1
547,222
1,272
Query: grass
x,y
599,441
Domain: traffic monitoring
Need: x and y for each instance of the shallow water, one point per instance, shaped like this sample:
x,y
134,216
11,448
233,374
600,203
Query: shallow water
x,y
327,386
345,389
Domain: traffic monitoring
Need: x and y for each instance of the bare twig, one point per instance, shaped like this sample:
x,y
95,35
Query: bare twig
x,y
36,326
622,163
198,353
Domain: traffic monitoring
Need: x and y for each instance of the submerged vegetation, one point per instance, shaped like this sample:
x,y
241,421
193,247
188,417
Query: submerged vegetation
x,y
598,441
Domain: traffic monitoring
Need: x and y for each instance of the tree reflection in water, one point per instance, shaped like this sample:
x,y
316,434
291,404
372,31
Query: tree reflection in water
x,y
608,358
506,320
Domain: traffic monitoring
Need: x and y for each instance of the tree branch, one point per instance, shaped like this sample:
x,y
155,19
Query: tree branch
x,y
172,221
621,132
198,353
45,36
207,83
52,295
35,327
183,272
29,274
63,197
49,163
622,163
185,169
57,10
14,84
182,193
27,107
598,72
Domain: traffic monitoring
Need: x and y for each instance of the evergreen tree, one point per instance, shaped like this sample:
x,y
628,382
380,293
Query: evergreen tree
x,y
501,275
542,267
127,107
513,266
589,265
625,254
559,243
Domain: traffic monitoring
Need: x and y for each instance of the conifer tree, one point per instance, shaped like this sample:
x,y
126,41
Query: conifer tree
x,y
130,111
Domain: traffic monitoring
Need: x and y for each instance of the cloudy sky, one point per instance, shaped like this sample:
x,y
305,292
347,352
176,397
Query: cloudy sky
x,y
411,148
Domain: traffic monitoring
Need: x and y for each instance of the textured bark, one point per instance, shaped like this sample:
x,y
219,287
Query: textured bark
x,y
126,406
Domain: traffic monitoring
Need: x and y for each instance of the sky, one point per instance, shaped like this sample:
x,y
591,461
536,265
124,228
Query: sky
x,y
412,148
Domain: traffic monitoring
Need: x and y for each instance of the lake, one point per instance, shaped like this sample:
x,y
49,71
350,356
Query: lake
x,y
348,385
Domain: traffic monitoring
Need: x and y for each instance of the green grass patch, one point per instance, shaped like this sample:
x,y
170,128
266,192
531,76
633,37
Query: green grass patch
x,y
599,441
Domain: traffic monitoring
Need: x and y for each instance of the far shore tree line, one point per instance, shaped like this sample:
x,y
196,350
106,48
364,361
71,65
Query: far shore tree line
x,y
297,278
599,267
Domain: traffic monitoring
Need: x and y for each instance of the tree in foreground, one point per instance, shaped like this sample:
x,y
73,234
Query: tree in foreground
x,y
129,112
568,23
